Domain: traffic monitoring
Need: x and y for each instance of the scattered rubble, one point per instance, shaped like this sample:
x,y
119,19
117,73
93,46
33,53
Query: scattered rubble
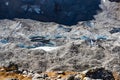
x,y
35,50
90,74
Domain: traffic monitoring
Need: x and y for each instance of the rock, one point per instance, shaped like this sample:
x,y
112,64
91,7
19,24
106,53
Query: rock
x,y
61,72
116,68
116,49
100,73
59,77
115,30
25,72
87,78
78,77
116,75
39,76
11,67
71,77
12,79
30,74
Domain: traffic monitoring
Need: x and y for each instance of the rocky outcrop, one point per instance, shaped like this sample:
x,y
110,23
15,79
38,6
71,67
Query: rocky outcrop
x,y
90,74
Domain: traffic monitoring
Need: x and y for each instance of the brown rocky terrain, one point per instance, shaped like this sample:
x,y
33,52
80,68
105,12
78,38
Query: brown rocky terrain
x,y
12,73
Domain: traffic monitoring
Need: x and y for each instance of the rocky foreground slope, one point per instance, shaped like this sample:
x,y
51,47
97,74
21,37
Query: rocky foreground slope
x,y
12,73
87,50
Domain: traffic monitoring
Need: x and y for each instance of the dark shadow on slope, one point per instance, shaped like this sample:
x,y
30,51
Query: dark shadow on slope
x,y
66,12
114,0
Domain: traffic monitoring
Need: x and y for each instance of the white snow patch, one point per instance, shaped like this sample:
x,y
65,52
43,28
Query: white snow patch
x,y
104,1
36,9
6,3
46,48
